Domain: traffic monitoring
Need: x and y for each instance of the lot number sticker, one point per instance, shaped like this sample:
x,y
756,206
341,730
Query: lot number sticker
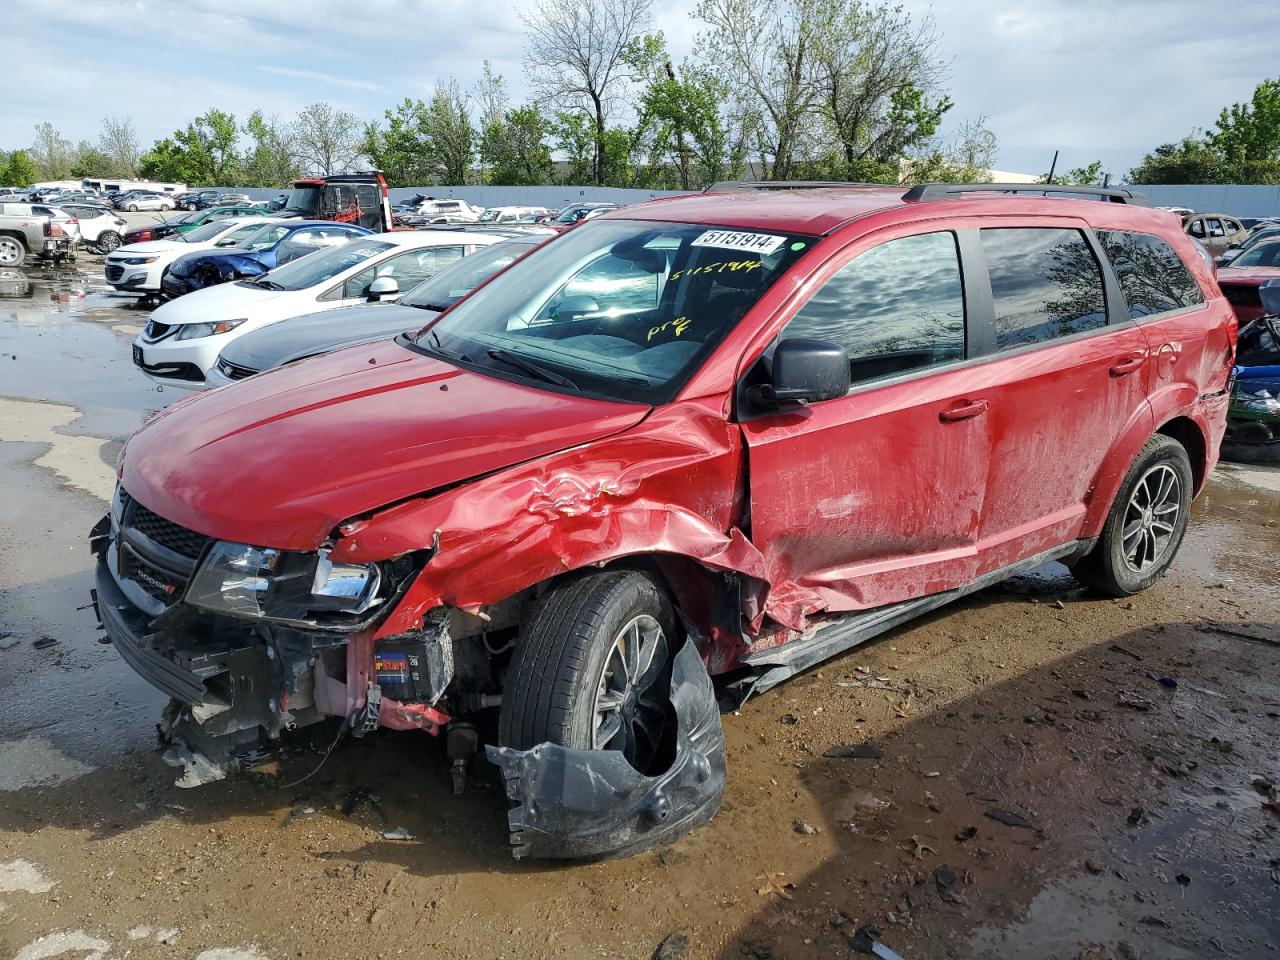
x,y
761,243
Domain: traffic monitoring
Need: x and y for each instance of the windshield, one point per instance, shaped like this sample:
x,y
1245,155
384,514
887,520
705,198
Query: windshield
x,y
622,309
260,237
490,215
571,214
325,265
1263,255
1253,241
206,231
304,199
458,279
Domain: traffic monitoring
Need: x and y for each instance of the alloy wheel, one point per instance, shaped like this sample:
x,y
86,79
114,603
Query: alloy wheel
x,y
631,700
109,241
1151,518
10,252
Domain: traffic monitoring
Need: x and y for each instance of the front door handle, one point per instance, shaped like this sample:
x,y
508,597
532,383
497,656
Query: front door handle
x,y
1127,365
963,411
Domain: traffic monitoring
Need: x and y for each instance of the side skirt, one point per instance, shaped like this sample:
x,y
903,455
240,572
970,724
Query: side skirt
x,y
770,667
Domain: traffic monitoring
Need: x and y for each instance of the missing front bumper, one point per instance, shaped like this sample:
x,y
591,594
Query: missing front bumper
x,y
592,804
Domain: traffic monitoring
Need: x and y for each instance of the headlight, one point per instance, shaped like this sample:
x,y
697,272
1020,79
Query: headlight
x,y
139,261
245,581
194,331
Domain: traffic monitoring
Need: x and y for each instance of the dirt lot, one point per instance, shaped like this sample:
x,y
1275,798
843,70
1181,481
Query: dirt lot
x,y
1048,775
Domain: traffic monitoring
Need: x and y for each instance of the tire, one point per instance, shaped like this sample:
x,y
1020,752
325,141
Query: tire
x,y
13,252
133,208
108,241
1155,495
565,669
165,206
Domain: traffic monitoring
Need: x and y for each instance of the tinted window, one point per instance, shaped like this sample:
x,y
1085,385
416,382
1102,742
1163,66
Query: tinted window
x,y
408,269
1263,255
896,307
1045,284
1153,278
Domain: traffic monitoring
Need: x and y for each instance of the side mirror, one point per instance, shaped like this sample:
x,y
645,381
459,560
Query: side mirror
x,y
804,370
575,306
382,287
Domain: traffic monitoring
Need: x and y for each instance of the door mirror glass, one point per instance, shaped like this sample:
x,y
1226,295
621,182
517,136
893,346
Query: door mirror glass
x,y
804,370
383,287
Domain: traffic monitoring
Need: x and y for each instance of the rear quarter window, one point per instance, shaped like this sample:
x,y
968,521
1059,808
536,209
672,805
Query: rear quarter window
x,y
1153,278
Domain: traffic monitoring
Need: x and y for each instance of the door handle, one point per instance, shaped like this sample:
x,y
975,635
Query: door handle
x,y
963,411
1127,365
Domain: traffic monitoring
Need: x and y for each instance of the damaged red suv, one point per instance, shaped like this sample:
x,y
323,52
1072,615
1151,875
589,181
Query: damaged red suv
x,y
727,435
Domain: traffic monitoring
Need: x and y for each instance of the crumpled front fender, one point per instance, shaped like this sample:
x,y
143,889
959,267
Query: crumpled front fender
x,y
592,804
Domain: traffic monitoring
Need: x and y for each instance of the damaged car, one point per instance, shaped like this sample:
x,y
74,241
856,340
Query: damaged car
x,y
660,464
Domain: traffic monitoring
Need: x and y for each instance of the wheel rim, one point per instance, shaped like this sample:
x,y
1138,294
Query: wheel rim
x,y
9,251
1151,518
109,242
630,704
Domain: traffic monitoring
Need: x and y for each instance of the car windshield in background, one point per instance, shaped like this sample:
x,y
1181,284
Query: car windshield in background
x,y
204,232
262,237
303,199
318,267
458,279
620,309
1263,255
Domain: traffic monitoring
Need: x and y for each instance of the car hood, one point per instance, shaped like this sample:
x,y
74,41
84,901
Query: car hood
x,y
1247,274
281,459
147,246
225,255
314,333
227,301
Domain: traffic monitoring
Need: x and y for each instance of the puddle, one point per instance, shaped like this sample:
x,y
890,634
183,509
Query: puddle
x,y
36,761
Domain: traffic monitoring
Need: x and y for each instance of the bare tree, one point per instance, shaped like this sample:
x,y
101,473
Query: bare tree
x,y
52,153
118,140
574,57
449,139
327,140
768,52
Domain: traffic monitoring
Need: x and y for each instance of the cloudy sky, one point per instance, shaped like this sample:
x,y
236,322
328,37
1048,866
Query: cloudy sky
x,y
1096,80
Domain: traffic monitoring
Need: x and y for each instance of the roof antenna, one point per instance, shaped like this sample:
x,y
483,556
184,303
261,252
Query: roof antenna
x,y
1053,166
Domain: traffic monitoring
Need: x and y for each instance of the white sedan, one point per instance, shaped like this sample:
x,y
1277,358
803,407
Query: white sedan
x,y
182,341
139,267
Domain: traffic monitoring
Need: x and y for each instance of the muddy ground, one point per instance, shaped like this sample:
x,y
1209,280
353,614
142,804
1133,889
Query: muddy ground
x,y
1035,787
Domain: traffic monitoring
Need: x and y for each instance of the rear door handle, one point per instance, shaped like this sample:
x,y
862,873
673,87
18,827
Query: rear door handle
x,y
963,411
1127,365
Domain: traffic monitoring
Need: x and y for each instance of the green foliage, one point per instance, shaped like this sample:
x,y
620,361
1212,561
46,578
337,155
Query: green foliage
x,y
1090,176
515,149
203,154
1190,160
271,160
399,148
448,137
18,171
90,162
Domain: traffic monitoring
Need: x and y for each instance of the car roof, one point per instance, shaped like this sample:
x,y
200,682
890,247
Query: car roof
x,y
437,238
822,210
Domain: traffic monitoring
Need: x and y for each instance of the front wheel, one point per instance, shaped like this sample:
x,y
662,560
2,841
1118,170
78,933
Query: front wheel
x,y
1146,524
12,252
108,241
133,208
165,206
593,670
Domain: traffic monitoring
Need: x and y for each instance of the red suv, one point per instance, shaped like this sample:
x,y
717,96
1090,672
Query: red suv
x,y
740,431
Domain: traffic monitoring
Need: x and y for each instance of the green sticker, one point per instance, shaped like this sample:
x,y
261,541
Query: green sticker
x,y
797,245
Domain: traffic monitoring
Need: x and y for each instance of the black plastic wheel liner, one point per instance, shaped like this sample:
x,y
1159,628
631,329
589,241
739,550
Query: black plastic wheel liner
x,y
571,804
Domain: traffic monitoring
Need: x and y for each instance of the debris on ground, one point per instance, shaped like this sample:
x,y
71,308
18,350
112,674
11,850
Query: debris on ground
x,y
7,640
1116,648
1008,818
788,719
867,940
1133,701
396,833
967,834
44,642
1210,627
804,826
856,751
773,883
945,878
673,946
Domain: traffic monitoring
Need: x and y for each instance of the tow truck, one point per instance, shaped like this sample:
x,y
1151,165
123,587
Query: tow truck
x,y
359,198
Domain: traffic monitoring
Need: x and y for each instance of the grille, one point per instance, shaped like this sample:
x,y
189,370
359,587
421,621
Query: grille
x,y
233,371
114,272
156,528
156,330
1241,295
155,582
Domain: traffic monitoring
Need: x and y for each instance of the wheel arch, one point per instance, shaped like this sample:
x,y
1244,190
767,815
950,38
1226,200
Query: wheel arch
x,y
1188,433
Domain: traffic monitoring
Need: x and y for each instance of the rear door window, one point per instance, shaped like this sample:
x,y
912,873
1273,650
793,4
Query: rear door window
x,y
1045,284
407,269
896,307
1152,276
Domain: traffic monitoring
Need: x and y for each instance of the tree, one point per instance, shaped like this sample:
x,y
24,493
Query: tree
x,y
205,153
89,161
1248,137
1190,160
967,158
119,143
515,150
574,59
51,153
19,171
271,160
448,136
400,150
1091,175
328,140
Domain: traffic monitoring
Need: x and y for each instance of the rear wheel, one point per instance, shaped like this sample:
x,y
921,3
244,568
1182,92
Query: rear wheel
x,y
133,208
12,252
593,670
107,241
165,206
1146,524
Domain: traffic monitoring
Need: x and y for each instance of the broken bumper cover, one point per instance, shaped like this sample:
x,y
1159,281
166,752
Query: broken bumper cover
x,y
591,804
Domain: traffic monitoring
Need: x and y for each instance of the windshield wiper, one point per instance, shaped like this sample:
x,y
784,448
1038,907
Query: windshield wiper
x,y
532,367
438,307
435,338
265,284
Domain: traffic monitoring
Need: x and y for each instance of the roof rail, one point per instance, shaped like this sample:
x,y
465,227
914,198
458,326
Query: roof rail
x,y
943,191
741,186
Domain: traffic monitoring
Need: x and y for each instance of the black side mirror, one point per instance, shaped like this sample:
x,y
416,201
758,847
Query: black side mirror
x,y
804,370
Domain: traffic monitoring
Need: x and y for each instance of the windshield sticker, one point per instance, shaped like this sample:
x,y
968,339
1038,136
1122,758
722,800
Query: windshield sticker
x,y
720,266
762,243
679,325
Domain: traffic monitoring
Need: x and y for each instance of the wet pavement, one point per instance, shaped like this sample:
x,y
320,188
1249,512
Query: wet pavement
x,y
1032,789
